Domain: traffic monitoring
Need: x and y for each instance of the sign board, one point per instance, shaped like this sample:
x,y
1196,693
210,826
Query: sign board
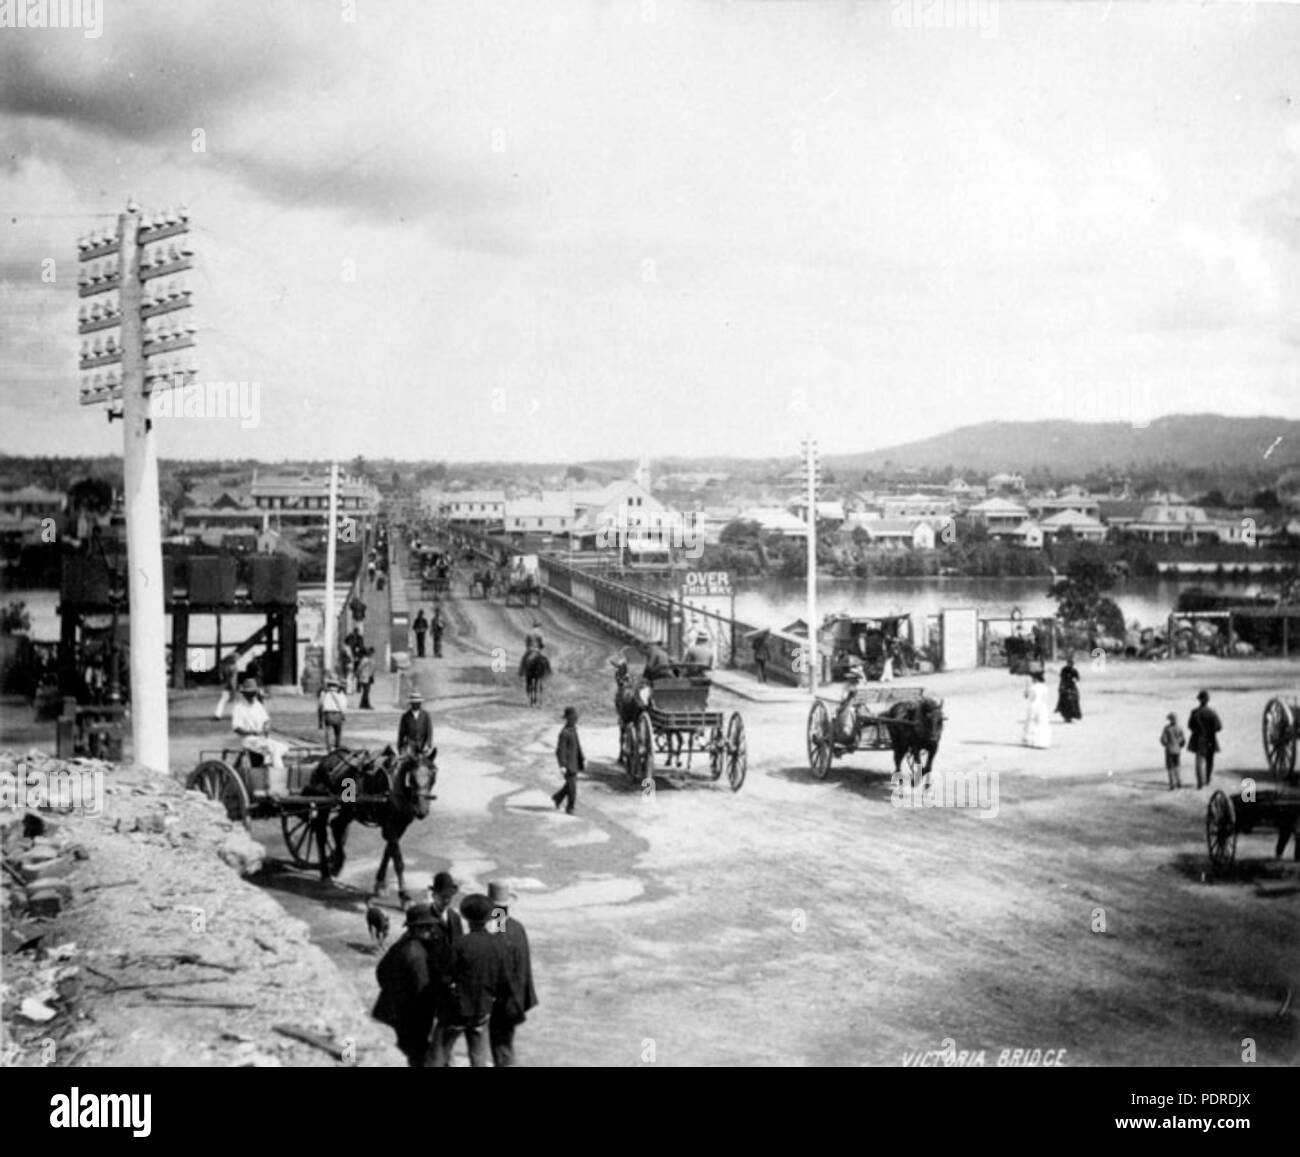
x,y
959,628
710,582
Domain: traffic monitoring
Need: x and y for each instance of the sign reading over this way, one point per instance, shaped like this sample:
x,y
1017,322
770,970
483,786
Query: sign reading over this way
x,y
707,582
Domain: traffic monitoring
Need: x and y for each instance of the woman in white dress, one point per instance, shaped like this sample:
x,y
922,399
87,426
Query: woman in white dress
x,y
1038,720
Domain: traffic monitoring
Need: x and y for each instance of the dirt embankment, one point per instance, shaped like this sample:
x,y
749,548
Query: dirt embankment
x,y
131,937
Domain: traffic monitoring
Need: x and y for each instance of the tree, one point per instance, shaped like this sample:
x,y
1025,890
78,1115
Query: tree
x,y
741,532
93,495
577,473
1079,595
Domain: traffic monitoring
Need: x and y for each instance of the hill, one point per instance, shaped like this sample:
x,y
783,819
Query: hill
x,y
1184,442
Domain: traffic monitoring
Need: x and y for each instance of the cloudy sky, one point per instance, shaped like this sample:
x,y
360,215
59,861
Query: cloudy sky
x,y
564,231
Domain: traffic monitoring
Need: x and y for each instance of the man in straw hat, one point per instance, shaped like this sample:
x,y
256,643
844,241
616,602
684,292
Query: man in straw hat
x,y
415,729
568,753
406,986
511,1008
251,721
331,709
698,657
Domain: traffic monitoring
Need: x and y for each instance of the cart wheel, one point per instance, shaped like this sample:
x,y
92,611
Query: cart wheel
x,y
819,740
301,840
717,751
1221,833
643,753
737,751
627,748
218,780
1279,739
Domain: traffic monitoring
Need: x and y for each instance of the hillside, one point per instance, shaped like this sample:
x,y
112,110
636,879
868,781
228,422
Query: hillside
x,y
1187,441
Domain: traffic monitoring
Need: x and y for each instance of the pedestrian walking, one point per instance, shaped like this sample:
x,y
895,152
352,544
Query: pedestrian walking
x,y
366,678
1173,741
1038,723
568,753
406,990
437,627
1203,727
1067,694
331,710
421,629
475,980
511,1009
229,684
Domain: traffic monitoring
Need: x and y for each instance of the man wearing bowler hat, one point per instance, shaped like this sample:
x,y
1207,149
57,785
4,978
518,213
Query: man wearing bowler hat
x,y
448,929
510,1009
568,753
406,989
1203,729
475,980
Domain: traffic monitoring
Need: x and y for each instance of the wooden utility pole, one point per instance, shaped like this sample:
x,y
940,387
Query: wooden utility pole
x,y
814,658
331,552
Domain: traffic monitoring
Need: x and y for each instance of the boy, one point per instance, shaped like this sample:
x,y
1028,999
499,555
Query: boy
x,y
1173,741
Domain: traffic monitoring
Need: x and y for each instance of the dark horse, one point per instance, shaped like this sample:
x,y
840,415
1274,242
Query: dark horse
x,y
381,789
483,581
629,702
915,733
534,667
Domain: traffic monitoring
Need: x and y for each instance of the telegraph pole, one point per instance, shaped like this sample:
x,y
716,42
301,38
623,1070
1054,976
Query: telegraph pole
x,y
811,466
331,549
121,266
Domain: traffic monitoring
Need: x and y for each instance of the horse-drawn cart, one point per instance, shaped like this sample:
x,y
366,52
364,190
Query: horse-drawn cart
x,y
1255,806
879,717
674,721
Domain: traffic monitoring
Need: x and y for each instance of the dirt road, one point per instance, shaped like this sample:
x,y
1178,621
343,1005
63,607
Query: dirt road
x,y
814,922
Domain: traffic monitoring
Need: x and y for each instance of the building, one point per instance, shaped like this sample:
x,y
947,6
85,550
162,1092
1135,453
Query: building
x,y
1072,524
304,500
832,512
1072,499
1001,516
549,513
1013,481
900,533
916,505
1169,522
477,508
31,502
774,520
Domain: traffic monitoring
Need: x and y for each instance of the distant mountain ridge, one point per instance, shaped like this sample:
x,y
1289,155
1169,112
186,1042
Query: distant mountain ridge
x,y
1185,441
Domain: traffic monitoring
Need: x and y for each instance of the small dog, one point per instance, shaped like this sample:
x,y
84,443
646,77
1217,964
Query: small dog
x,y
377,922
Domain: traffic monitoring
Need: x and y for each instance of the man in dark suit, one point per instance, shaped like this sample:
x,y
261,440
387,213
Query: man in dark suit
x,y
510,1010
568,753
1203,729
476,979
406,992
415,731
448,929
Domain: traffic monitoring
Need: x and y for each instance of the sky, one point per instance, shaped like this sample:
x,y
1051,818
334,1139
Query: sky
x,y
558,232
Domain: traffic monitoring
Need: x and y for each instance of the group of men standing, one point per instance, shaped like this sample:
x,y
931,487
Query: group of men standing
x,y
453,974
424,626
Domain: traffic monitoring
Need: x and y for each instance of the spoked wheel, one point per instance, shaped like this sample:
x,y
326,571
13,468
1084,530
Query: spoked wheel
x,y
1221,833
218,780
717,752
737,751
1279,739
643,756
627,749
301,840
819,740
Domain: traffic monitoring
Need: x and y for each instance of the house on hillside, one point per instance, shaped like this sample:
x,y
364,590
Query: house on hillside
x,y
1003,481
900,533
774,520
1072,524
917,505
1072,498
1182,523
1001,516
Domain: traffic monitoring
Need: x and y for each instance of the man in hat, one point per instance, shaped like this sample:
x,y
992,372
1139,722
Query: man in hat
x,y
698,657
406,990
533,640
568,753
1173,741
1203,729
331,709
366,677
448,929
657,663
437,626
415,729
250,720
510,1010
421,628
476,979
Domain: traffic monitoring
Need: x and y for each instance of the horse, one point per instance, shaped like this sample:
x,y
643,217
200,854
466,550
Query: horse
x,y
405,780
915,734
630,697
534,667
482,579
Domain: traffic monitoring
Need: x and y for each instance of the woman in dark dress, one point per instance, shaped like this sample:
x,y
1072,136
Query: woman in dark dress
x,y
1067,697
